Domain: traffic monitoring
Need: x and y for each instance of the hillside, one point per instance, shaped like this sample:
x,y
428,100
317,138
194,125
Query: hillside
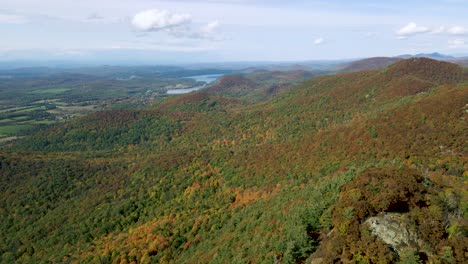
x,y
461,61
370,64
240,173
259,85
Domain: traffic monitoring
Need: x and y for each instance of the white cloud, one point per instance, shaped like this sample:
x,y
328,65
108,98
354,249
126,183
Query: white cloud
x,y
176,25
12,19
457,30
411,29
456,43
208,31
319,41
156,20
210,28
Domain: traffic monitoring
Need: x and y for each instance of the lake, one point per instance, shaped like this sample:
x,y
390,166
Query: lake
x,y
209,78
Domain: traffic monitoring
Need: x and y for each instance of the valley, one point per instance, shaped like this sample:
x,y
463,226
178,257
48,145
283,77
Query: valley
x,y
35,98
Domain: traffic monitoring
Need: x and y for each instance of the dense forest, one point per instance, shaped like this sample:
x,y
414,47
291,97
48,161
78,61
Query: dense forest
x,y
37,98
359,167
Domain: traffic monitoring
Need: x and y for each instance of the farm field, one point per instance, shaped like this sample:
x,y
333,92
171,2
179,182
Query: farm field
x,y
31,99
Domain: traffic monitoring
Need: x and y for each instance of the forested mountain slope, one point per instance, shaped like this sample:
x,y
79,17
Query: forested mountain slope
x,y
367,64
206,177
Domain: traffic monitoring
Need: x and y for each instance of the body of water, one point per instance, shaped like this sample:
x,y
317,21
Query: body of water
x,y
186,90
127,78
209,78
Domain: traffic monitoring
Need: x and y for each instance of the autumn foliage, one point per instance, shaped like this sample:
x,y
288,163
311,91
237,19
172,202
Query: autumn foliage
x,y
247,174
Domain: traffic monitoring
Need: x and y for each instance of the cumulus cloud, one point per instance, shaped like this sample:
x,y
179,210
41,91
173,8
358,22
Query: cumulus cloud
x,y
457,30
456,43
412,29
12,19
156,20
176,25
319,41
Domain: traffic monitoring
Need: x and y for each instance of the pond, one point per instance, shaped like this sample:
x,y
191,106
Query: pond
x,y
208,78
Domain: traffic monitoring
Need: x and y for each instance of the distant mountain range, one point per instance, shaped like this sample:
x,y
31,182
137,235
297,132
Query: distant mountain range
x,y
375,63
317,66
435,56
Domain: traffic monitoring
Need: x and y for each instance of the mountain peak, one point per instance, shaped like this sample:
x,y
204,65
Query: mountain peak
x,y
229,81
373,63
427,69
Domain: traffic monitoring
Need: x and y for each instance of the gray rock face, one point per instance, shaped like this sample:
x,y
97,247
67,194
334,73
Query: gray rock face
x,y
393,229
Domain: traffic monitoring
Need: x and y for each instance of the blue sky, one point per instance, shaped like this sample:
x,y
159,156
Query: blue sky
x,y
229,30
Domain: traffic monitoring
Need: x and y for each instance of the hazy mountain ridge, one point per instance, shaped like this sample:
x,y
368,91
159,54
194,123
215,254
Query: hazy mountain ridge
x,y
370,64
434,56
375,63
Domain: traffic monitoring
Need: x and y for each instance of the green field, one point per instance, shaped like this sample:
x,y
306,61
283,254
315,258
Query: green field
x,y
14,129
21,118
51,91
31,109
3,121
41,122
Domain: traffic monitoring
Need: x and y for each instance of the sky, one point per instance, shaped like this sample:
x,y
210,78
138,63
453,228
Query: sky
x,y
193,31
